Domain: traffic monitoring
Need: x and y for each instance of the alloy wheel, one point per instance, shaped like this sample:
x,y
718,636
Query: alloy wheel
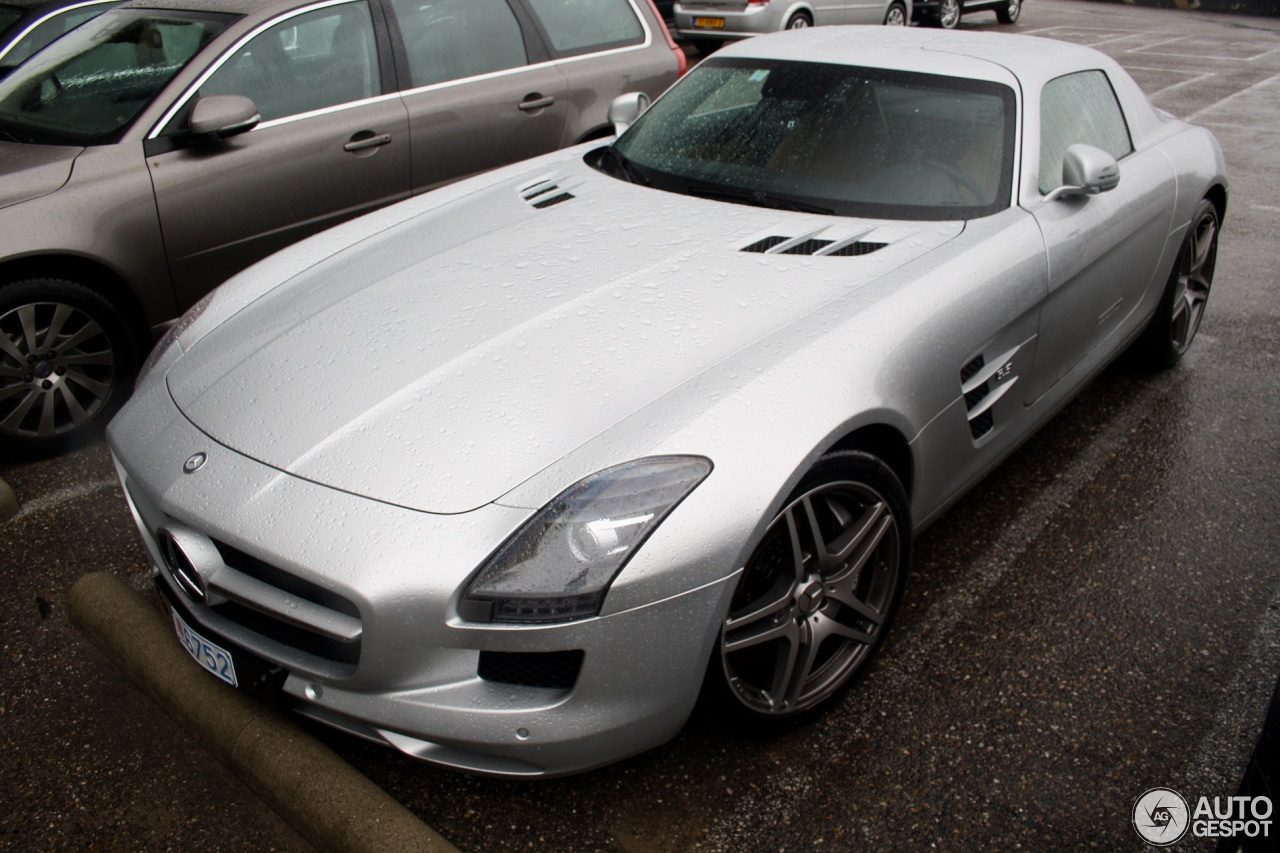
x,y
814,599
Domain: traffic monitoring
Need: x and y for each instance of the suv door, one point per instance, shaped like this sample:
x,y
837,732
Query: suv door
x,y
604,48
475,100
331,145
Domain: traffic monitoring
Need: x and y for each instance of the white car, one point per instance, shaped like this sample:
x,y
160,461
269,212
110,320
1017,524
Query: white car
x,y
498,475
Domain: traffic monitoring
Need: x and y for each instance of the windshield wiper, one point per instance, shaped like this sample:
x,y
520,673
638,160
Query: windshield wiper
x,y
624,168
757,198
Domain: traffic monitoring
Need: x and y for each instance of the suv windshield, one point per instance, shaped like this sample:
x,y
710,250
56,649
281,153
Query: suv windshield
x,y
87,87
827,138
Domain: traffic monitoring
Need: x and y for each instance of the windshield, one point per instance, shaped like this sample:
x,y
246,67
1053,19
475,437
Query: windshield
x,y
57,24
87,87
827,138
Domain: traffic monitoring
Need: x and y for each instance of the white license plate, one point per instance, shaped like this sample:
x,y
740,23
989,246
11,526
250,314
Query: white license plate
x,y
209,655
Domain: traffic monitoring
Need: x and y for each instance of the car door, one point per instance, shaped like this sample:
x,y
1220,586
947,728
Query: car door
x,y
1102,249
474,99
330,145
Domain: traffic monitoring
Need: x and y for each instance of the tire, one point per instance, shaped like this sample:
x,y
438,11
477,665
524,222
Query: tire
x,y
948,16
896,16
799,21
800,630
1009,13
1177,319
706,47
67,363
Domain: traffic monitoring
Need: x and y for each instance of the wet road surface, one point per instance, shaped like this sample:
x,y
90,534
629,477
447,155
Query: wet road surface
x,y
1099,617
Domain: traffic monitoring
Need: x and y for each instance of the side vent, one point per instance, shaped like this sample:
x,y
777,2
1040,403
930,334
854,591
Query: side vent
x,y
545,194
805,245
983,385
981,424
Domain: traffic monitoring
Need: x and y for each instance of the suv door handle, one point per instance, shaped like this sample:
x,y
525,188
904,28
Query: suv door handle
x,y
536,102
366,139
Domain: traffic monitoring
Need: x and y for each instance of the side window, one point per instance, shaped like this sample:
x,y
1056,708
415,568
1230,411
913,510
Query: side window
x,y
579,26
315,60
452,39
1077,108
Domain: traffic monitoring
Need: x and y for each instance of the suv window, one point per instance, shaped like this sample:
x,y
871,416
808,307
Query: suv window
x,y
308,62
581,26
1077,108
452,39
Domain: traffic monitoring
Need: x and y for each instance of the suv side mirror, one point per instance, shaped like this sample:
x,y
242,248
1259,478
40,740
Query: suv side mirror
x,y
1086,171
220,116
625,109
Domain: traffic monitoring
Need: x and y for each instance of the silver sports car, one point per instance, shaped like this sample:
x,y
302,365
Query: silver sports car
x,y
501,474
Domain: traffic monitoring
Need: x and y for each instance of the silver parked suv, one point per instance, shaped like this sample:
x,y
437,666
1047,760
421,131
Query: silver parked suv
x,y
710,23
159,148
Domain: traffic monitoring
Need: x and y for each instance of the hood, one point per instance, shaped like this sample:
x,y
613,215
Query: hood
x,y
445,361
31,171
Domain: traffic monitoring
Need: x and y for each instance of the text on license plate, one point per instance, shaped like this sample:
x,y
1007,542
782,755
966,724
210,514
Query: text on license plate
x,y
709,23
210,656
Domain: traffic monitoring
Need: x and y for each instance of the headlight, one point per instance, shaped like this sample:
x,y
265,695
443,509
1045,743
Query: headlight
x,y
558,566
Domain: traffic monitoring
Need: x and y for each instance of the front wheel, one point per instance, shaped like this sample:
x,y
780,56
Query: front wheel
x,y
1177,319
816,598
1009,13
67,361
896,16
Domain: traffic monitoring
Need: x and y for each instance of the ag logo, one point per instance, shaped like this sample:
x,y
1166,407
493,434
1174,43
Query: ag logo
x,y
1161,817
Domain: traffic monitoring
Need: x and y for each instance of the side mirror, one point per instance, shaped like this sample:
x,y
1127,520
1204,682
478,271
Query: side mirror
x,y
220,116
625,109
1086,171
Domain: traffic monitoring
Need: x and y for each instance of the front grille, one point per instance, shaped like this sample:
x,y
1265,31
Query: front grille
x,y
307,642
557,670
282,580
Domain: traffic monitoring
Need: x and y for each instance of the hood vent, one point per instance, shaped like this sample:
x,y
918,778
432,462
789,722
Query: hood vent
x,y
806,245
545,193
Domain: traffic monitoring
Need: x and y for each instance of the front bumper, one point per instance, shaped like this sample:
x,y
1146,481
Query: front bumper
x,y
411,673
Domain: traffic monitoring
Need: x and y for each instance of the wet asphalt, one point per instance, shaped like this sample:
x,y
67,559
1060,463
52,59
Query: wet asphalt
x,y
1101,616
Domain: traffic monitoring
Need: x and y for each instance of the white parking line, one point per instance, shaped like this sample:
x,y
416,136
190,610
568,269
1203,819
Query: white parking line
x,y
44,503
1233,96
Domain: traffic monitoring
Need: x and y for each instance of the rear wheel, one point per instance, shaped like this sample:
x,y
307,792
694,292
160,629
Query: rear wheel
x,y
1009,13
706,47
799,21
67,361
1177,319
896,16
948,14
816,598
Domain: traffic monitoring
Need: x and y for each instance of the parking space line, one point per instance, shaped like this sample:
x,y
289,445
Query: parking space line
x,y
1233,96
52,500
1196,78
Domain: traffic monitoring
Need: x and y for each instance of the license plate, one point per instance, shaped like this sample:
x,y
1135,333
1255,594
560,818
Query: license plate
x,y
209,655
709,23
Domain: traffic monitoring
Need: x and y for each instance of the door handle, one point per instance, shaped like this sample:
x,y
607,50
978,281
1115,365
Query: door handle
x,y
536,102
366,139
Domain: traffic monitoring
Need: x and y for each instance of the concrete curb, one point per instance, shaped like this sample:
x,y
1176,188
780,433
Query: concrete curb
x,y
8,501
322,797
